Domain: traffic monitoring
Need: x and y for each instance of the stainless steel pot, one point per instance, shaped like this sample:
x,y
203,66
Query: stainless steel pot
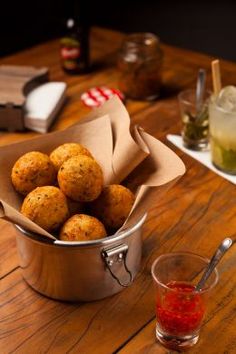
x,y
80,271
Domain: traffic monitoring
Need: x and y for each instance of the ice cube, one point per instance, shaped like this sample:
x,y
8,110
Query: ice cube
x,y
227,98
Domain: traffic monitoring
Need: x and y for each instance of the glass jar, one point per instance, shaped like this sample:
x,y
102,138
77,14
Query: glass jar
x,y
139,63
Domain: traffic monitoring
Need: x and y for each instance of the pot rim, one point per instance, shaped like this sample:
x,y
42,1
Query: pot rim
x,y
101,242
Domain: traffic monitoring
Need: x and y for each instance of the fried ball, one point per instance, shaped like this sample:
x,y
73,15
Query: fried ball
x,y
81,227
32,170
81,178
47,207
63,152
113,205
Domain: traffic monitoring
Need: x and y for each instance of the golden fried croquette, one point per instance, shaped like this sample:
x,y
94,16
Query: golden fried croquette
x,y
113,205
65,151
81,227
33,169
80,178
47,207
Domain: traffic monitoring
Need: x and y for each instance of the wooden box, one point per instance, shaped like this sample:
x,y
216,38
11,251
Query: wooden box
x,y
15,83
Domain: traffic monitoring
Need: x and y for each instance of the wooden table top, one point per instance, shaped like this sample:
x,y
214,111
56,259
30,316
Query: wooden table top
x,y
193,216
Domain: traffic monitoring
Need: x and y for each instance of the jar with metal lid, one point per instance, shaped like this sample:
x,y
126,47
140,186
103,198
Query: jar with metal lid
x,y
139,63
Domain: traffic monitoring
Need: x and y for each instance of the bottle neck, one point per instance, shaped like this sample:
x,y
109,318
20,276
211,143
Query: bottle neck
x,y
78,11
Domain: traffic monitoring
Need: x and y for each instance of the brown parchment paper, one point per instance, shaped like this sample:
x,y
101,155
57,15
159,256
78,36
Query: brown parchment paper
x,y
106,133
152,177
123,142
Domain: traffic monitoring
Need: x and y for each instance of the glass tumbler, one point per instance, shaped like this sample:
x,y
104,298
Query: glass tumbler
x,y
180,309
195,125
222,137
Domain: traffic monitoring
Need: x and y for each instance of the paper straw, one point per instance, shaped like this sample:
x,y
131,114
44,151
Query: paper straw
x,y
215,67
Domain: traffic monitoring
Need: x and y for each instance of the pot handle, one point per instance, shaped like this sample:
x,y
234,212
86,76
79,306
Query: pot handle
x,y
114,255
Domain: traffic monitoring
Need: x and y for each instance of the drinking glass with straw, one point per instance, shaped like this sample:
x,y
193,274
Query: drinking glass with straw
x,y
222,118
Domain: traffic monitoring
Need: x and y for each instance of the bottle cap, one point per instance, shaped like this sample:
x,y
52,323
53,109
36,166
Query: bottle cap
x,y
70,23
96,96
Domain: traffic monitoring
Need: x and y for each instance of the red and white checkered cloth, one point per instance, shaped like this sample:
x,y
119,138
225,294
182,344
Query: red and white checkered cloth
x,y
96,96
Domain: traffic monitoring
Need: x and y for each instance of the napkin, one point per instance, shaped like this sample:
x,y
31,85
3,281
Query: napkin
x,y
42,105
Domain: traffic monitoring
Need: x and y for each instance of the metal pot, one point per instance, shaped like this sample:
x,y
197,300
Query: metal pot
x,y
80,271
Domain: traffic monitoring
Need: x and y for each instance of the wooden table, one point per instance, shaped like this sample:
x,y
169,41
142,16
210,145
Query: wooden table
x,y
193,216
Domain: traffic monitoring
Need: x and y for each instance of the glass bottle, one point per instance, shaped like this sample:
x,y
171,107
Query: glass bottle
x,y
139,63
75,44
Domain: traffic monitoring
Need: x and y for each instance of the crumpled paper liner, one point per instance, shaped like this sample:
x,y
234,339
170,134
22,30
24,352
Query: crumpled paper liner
x,y
148,166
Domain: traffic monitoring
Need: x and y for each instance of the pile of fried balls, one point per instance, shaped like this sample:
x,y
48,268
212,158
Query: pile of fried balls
x,y
65,194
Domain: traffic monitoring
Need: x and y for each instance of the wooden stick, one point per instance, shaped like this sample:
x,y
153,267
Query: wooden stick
x,y
215,67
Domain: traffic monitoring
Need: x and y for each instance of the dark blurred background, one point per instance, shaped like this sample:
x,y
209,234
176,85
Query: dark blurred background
x,y
206,26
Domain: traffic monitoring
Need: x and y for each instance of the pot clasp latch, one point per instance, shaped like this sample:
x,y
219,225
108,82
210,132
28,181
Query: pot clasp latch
x,y
117,254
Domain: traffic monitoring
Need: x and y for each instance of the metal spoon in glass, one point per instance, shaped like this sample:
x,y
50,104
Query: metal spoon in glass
x,y
200,89
221,250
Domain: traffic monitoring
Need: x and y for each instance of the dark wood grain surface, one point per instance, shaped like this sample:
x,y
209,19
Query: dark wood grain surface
x,y
195,215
